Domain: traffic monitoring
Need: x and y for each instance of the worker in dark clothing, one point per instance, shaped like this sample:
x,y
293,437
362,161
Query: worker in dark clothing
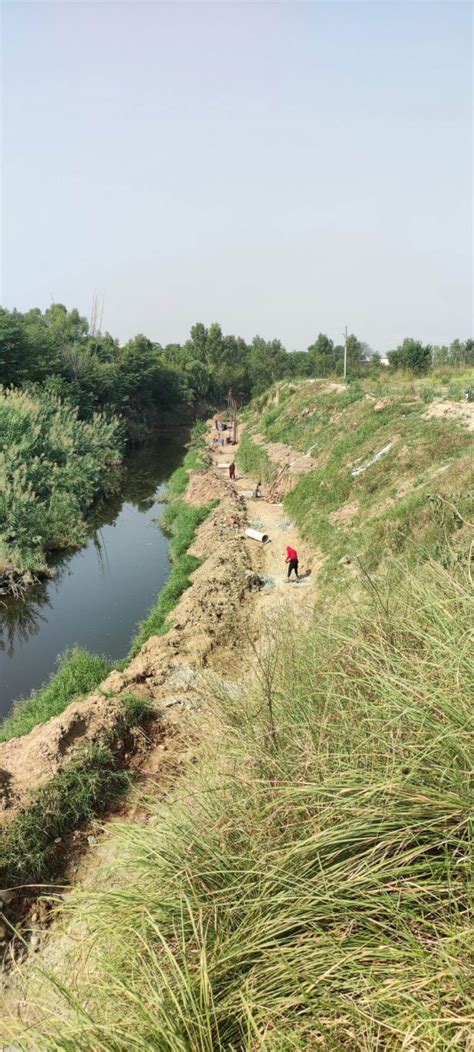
x,y
292,560
232,470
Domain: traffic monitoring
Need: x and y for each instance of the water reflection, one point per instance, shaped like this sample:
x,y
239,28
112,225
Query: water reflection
x,y
102,590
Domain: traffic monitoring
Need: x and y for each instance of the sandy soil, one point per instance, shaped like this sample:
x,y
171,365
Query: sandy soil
x,y
463,412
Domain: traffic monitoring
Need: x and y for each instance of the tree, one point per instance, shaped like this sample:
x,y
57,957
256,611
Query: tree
x,y
14,348
267,362
412,355
322,356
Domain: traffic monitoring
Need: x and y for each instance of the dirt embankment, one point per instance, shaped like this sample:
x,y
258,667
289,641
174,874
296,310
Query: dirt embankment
x,y
165,668
290,463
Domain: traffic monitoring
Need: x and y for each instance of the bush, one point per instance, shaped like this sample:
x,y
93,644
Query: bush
x,y
52,467
254,460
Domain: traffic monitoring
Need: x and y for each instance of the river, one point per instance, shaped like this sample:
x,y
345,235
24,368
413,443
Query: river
x,y
101,592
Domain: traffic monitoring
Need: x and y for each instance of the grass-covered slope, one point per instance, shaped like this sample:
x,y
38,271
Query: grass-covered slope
x,y
311,887
415,500
86,787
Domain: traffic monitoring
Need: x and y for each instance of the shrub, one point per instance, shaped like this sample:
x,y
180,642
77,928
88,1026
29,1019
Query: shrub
x,y
52,467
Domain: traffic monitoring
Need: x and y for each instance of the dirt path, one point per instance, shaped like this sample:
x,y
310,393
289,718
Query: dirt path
x,y
269,559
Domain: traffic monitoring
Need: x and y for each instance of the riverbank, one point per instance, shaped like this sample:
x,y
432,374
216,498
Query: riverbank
x,y
99,593
214,628
299,844
163,674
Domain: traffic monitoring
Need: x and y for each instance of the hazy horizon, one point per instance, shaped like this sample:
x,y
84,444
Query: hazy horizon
x,y
281,168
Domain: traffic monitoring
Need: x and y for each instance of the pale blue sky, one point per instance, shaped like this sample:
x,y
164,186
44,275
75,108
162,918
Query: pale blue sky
x,y
282,168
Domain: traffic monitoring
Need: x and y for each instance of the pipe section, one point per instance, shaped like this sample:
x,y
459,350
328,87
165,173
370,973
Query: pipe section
x,y
256,536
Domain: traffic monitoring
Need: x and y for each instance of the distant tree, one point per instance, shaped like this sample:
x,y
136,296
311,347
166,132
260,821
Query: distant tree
x,y
322,356
14,349
440,355
356,351
268,361
300,363
412,355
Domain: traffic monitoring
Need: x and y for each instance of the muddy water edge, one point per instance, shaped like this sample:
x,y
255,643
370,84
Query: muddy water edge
x,y
99,593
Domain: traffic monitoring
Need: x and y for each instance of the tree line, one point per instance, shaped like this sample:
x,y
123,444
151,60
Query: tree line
x,y
142,380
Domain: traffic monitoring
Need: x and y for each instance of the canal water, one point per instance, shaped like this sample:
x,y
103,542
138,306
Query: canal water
x,y
101,592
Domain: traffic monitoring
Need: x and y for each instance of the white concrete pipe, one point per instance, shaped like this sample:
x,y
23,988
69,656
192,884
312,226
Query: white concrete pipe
x,y
256,536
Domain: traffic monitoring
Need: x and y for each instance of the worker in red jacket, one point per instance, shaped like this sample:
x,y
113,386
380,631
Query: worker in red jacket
x,y
292,560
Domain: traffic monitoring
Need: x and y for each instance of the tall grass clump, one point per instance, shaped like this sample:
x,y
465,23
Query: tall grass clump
x,y
254,460
79,673
85,788
310,888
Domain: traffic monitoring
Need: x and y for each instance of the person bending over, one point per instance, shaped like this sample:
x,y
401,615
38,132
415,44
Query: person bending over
x,y
292,560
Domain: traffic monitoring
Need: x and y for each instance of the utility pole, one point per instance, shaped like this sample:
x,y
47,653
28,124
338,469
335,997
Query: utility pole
x,y
345,352
233,411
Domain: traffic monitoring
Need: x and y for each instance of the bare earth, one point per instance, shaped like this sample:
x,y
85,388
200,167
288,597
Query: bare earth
x,y
461,411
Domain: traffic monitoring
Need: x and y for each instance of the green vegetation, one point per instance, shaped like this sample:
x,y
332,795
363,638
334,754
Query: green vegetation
x,y
254,460
78,674
86,787
180,521
311,888
58,446
416,500
143,381
52,467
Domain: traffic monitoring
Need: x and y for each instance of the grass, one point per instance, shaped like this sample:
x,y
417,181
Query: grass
x,y
78,674
396,501
253,460
310,888
86,787
181,521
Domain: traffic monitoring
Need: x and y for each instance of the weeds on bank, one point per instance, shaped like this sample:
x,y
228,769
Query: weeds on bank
x,y
78,674
253,460
181,521
311,889
86,787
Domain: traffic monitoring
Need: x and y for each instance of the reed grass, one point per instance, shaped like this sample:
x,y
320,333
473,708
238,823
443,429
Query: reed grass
x,y
31,846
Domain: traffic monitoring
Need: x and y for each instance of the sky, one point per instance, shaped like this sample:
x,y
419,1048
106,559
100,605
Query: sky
x,y
281,168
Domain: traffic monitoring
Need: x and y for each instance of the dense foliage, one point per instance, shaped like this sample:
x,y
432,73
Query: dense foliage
x,y
143,380
57,435
52,467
